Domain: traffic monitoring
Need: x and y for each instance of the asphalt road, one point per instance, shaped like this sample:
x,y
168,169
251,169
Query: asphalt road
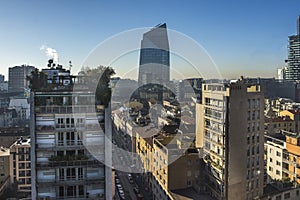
x,y
122,160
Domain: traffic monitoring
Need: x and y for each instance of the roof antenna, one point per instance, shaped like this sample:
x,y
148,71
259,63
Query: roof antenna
x,y
70,66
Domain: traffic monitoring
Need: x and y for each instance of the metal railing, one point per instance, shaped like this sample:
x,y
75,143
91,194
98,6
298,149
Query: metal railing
x,y
67,109
88,163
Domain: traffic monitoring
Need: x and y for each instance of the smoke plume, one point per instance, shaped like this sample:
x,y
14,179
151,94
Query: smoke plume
x,y
50,52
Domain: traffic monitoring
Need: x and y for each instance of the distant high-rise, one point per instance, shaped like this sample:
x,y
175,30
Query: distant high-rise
x,y
154,56
293,69
17,77
1,78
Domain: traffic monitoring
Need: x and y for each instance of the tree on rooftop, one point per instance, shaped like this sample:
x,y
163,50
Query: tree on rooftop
x,y
100,77
37,80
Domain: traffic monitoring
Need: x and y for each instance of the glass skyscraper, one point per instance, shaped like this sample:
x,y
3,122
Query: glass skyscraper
x,y
155,56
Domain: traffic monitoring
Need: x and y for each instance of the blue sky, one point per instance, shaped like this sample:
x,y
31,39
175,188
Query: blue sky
x,y
243,37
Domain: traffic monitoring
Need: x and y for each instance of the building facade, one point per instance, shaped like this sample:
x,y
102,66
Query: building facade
x,y
20,170
230,131
154,56
276,158
17,77
293,158
4,169
293,68
68,144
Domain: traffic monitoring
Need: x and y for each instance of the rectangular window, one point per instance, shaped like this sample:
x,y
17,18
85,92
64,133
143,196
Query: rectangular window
x,y
277,172
61,191
278,153
270,169
61,174
278,163
287,195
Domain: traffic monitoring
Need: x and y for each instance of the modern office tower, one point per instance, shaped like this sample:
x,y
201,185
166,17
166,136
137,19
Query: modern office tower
x,y
154,56
68,144
293,68
17,77
20,170
230,130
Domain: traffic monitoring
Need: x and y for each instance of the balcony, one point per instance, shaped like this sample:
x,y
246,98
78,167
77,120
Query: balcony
x,y
85,163
69,160
61,145
71,182
69,143
67,109
45,128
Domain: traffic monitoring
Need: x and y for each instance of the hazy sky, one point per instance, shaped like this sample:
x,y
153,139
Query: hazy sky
x,y
242,37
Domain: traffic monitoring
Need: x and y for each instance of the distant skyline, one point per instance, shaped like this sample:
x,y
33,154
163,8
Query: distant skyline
x,y
247,38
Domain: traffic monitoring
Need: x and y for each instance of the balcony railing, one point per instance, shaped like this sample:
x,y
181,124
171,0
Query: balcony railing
x,y
88,163
67,109
60,144
44,128
66,182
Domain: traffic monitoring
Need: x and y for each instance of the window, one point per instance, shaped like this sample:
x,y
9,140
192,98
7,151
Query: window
x,y
61,174
80,173
278,163
71,173
277,172
271,160
287,195
71,191
278,197
189,173
81,190
60,138
278,153
189,183
270,169
61,191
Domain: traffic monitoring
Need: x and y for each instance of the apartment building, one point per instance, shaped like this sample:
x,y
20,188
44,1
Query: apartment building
x,y
293,159
230,131
20,170
4,169
276,124
169,155
293,114
68,144
276,157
